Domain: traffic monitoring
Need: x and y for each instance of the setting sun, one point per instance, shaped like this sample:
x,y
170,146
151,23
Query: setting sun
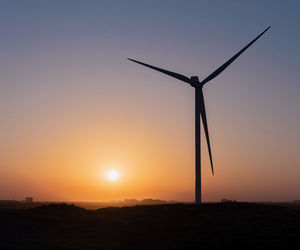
x,y
112,175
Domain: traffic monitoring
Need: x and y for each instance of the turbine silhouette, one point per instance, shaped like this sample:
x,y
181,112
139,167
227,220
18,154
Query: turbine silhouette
x,y
200,110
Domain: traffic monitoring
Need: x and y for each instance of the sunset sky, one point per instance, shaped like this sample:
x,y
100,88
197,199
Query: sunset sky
x,y
73,108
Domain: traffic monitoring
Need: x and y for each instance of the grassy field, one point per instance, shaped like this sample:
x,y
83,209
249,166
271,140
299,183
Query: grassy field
x,y
173,226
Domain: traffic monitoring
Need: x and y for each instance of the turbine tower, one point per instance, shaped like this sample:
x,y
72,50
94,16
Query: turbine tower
x,y
200,110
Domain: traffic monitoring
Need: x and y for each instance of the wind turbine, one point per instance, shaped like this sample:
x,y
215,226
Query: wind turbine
x,y
200,110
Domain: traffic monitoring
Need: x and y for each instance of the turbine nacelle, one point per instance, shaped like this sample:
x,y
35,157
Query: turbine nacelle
x,y
195,81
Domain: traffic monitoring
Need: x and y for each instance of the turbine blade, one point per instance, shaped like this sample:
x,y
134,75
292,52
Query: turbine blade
x,y
204,121
170,73
225,65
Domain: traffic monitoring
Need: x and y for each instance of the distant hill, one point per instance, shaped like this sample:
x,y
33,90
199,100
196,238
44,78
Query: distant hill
x,y
229,225
13,204
123,203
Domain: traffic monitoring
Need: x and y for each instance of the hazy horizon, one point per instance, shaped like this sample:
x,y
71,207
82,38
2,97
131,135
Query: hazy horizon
x,y
132,200
73,108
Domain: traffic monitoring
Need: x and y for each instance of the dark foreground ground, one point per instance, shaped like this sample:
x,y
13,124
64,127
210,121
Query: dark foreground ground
x,y
176,226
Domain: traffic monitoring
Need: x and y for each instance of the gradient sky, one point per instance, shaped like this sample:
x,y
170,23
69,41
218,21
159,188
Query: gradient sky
x,y
72,107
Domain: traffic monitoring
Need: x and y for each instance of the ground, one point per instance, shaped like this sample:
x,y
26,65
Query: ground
x,y
172,226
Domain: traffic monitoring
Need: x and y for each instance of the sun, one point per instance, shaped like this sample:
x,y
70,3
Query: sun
x,y
112,175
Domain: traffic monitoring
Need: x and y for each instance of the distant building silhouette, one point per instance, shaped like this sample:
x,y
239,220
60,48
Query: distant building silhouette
x,y
28,200
226,200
